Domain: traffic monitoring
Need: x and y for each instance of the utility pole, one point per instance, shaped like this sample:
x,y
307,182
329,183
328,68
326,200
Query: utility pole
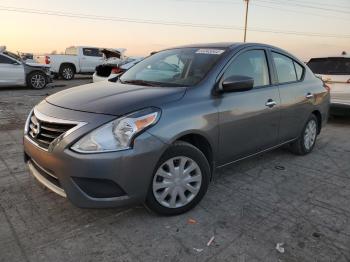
x,y
246,20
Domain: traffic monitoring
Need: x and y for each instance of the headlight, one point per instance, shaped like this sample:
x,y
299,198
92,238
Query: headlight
x,y
118,134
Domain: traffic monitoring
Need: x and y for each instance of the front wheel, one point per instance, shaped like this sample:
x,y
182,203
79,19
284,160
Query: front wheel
x,y
306,142
37,80
180,180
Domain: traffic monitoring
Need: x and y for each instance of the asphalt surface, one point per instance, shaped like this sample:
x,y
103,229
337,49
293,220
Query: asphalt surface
x,y
300,204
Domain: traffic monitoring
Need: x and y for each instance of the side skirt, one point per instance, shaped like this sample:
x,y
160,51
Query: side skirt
x,y
258,153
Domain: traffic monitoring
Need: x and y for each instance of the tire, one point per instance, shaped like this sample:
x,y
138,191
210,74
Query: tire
x,y
307,139
67,72
37,80
160,198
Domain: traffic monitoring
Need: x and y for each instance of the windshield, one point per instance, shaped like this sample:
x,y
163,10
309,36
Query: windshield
x,y
330,65
175,67
12,55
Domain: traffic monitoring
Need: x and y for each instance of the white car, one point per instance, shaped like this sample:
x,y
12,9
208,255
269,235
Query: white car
x,y
76,60
115,64
16,72
335,72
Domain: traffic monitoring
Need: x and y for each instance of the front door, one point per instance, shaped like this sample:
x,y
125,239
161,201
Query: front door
x,y
91,58
249,120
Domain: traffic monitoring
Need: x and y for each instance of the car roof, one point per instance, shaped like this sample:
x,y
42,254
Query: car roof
x,y
227,45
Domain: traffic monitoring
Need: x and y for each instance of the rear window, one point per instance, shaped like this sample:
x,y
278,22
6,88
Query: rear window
x,y
330,66
71,51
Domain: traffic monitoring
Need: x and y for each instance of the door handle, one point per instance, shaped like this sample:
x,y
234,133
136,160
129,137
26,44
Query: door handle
x,y
309,96
270,103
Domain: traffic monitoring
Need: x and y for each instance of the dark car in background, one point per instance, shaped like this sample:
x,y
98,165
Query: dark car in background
x,y
158,133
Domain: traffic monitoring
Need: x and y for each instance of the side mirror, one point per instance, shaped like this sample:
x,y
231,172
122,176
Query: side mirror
x,y
237,83
16,63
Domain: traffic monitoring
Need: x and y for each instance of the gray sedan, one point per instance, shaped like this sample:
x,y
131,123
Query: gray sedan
x,y
158,133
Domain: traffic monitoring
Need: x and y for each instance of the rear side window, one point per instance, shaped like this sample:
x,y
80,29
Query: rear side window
x,y
92,52
285,68
5,60
299,70
330,65
252,64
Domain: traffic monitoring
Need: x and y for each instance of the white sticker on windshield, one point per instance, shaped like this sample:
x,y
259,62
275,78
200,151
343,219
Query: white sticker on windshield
x,y
210,51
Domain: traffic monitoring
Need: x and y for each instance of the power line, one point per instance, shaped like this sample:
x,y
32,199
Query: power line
x,y
304,5
320,4
272,7
300,12
159,22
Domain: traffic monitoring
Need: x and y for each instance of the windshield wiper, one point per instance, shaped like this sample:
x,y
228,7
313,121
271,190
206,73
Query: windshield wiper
x,y
139,82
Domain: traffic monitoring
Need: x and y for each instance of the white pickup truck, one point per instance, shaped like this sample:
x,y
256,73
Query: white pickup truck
x,y
76,60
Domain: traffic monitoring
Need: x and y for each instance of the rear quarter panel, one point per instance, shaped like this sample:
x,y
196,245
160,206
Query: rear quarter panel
x,y
57,60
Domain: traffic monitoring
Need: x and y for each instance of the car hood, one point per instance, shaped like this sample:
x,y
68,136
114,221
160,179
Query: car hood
x,y
114,98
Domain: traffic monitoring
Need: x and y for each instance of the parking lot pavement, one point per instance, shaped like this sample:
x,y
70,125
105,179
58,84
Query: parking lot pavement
x,y
302,202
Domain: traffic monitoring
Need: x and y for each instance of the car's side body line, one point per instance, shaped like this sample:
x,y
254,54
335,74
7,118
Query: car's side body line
x,y
257,153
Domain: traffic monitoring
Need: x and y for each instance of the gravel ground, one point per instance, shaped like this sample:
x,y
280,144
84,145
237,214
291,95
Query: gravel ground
x,y
277,197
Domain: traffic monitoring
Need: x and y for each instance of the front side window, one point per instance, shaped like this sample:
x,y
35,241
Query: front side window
x,y
285,68
252,64
5,60
175,67
92,52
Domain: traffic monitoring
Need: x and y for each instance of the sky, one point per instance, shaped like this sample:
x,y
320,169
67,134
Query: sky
x,y
42,33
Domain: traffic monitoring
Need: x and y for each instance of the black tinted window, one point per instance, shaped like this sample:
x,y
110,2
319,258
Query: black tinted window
x,y
92,52
5,60
330,65
285,68
252,64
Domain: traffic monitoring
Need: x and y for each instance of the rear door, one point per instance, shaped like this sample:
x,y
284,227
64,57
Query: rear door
x,y
296,95
91,57
335,71
11,72
249,120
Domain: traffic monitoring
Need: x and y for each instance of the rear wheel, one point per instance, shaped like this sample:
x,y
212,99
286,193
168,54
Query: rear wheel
x,y
180,180
37,80
306,142
67,72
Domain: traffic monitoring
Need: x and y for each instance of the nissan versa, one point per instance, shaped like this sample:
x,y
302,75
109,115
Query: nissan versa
x,y
157,134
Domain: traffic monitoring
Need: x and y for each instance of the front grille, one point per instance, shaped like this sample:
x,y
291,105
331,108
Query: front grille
x,y
44,133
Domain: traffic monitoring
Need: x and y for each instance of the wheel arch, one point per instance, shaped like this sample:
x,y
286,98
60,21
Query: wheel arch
x,y
203,144
319,120
68,64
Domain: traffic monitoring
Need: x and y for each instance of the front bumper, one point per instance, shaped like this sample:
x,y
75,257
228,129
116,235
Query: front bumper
x,y
94,180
